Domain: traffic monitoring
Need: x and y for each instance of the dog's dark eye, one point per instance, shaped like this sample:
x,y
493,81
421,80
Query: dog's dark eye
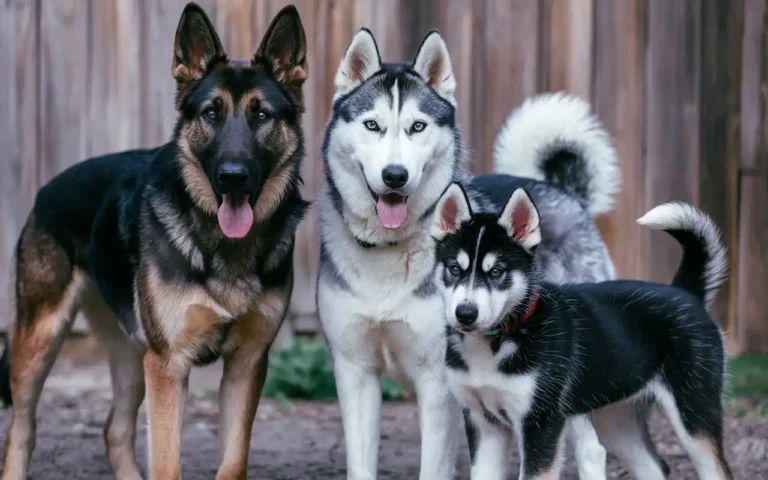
x,y
210,113
454,269
372,125
418,127
262,115
495,272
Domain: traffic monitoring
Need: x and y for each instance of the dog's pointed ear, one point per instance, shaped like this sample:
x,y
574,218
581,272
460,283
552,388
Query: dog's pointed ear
x,y
361,60
520,219
283,49
451,211
433,63
196,47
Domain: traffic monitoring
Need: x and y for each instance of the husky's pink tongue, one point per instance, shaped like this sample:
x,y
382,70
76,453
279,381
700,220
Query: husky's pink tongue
x,y
235,216
392,210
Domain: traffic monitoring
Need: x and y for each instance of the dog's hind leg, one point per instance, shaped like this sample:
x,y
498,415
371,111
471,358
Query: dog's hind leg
x,y
623,430
696,417
48,287
127,375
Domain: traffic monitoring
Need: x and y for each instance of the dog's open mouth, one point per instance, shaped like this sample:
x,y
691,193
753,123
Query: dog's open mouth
x,y
391,209
235,215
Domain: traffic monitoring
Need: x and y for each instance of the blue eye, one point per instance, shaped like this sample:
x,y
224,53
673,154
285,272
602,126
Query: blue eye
x,y
418,127
372,125
454,269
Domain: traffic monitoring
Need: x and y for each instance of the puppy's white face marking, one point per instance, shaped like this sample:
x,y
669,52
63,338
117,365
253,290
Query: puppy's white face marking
x,y
488,262
473,273
463,259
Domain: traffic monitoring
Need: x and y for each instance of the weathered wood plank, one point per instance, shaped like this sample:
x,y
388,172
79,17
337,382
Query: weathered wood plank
x,y
158,24
571,46
753,46
719,138
114,116
19,133
750,332
672,119
619,81
510,68
63,85
234,24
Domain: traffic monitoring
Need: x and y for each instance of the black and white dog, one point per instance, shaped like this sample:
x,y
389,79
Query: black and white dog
x,y
529,357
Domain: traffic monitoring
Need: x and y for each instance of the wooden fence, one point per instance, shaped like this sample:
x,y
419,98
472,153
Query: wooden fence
x,y
681,85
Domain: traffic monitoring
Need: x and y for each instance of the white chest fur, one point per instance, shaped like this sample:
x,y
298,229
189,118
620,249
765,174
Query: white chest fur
x,y
482,388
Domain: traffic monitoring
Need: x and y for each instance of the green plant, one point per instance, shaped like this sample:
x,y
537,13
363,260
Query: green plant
x,y
748,376
304,371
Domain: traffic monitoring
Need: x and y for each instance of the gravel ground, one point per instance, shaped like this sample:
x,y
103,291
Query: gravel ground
x,y
296,441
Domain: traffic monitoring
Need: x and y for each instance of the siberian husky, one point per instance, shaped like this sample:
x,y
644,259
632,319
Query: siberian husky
x,y
526,356
391,148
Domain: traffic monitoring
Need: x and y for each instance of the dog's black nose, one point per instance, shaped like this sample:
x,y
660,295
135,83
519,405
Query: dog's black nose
x,y
394,176
232,175
466,313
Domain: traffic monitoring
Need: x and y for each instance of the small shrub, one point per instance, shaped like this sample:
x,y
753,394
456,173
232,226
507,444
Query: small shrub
x,y
304,371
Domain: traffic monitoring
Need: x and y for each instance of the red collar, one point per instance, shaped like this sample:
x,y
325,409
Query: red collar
x,y
510,324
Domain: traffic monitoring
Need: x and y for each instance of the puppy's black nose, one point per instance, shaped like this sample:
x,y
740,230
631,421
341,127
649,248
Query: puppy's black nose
x,y
394,176
466,313
232,175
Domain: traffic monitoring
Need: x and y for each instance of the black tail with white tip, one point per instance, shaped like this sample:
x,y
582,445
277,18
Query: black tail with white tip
x,y
704,266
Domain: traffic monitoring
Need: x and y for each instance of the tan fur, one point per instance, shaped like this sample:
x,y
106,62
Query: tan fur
x,y
166,393
254,95
35,343
245,369
196,181
272,194
708,446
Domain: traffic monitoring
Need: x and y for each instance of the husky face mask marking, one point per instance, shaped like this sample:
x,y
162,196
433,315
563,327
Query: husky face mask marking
x,y
392,125
485,261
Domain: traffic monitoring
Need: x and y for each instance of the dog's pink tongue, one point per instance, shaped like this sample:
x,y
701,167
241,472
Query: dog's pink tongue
x,y
235,216
391,210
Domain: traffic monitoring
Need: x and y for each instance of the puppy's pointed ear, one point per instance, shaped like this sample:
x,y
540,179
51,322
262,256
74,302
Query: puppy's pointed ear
x,y
451,211
520,219
283,50
196,48
361,60
433,63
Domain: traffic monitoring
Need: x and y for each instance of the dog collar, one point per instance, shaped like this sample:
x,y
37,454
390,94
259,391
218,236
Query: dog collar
x,y
510,324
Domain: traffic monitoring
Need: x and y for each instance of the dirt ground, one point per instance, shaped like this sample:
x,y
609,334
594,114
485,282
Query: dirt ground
x,y
292,441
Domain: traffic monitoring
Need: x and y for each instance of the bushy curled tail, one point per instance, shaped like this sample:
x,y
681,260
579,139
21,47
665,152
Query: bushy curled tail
x,y
555,137
704,266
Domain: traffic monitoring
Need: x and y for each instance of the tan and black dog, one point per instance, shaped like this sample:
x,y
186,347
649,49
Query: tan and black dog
x,y
177,255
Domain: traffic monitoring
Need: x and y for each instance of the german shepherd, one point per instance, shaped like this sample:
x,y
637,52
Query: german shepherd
x,y
177,255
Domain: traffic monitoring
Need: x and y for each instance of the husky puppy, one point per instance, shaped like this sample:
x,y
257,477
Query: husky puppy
x,y
526,356
391,148
177,255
